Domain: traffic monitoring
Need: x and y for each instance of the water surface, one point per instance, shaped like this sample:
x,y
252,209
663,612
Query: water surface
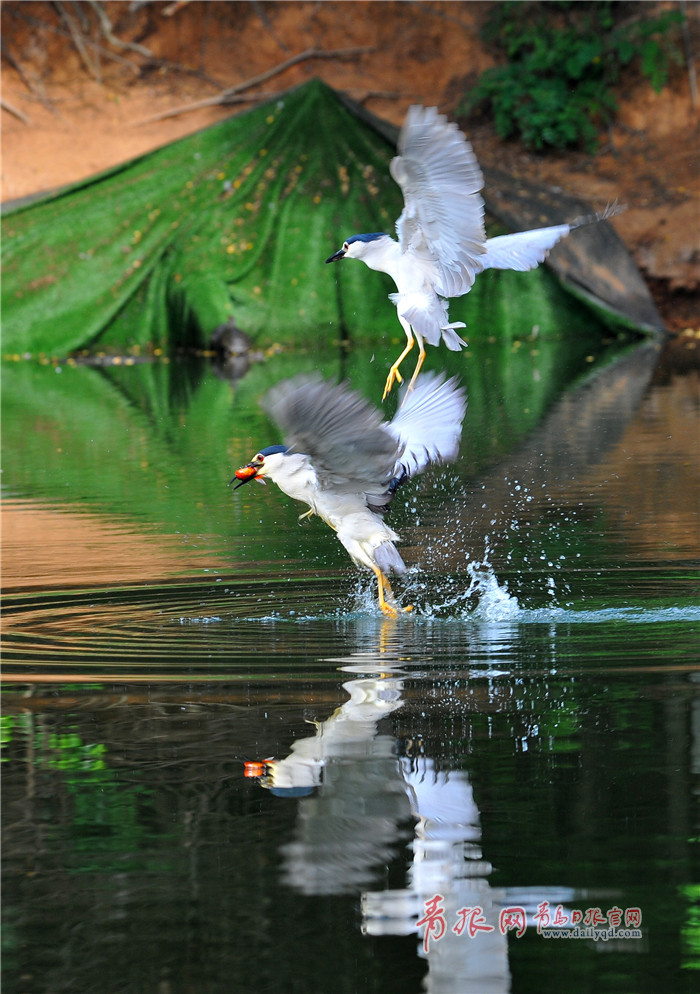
x,y
225,770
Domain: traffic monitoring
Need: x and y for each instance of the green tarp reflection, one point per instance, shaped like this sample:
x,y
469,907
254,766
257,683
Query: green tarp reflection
x,y
158,442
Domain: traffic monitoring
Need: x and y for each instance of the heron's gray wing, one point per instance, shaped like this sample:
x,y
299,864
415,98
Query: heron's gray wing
x,y
428,424
440,179
350,450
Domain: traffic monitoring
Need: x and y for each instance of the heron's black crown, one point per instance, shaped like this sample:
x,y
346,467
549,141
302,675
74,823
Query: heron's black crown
x,y
371,237
271,449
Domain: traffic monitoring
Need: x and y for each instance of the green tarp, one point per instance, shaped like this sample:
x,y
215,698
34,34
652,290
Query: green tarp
x,y
235,221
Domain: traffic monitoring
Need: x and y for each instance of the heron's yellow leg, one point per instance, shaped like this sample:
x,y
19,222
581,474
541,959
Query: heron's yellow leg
x,y
394,373
416,371
384,585
306,514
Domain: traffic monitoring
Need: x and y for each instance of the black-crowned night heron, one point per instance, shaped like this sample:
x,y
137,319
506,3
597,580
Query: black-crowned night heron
x,y
442,242
341,459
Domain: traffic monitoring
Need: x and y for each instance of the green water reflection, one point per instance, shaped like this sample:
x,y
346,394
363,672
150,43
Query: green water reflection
x,y
152,446
157,439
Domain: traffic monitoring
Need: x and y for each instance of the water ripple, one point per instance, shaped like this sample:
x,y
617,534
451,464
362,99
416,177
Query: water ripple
x,y
232,628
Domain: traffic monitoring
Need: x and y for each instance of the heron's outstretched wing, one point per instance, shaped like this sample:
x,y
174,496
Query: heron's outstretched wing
x,y
523,250
526,249
428,425
443,217
350,449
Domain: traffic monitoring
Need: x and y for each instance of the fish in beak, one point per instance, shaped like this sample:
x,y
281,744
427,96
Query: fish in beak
x,y
245,474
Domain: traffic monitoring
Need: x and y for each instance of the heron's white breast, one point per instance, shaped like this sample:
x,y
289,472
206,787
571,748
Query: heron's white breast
x,y
294,474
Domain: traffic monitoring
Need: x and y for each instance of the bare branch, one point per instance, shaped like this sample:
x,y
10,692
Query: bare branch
x,y
236,98
106,28
362,96
11,109
174,8
259,9
36,91
77,37
689,57
310,53
233,94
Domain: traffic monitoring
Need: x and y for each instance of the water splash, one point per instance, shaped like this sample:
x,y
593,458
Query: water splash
x,y
480,595
475,594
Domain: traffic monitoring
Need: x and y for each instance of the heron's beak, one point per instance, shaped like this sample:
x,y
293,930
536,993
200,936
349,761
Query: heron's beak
x,y
340,254
246,473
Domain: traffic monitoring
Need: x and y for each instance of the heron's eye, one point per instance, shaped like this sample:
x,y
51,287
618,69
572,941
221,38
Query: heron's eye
x,y
345,246
259,458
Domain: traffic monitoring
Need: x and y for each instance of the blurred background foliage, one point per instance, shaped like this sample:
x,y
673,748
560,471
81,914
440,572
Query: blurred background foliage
x,y
563,63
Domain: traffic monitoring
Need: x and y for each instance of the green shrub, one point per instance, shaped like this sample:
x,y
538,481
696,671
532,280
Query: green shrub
x,y
563,61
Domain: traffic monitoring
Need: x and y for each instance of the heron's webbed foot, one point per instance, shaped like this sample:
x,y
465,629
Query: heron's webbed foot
x,y
391,610
394,374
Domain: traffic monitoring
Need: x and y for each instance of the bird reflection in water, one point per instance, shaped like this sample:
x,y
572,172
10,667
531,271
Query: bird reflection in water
x,y
364,799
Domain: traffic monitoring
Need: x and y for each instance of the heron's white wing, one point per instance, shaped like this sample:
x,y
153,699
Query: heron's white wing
x,y
443,216
523,250
428,425
526,249
350,449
